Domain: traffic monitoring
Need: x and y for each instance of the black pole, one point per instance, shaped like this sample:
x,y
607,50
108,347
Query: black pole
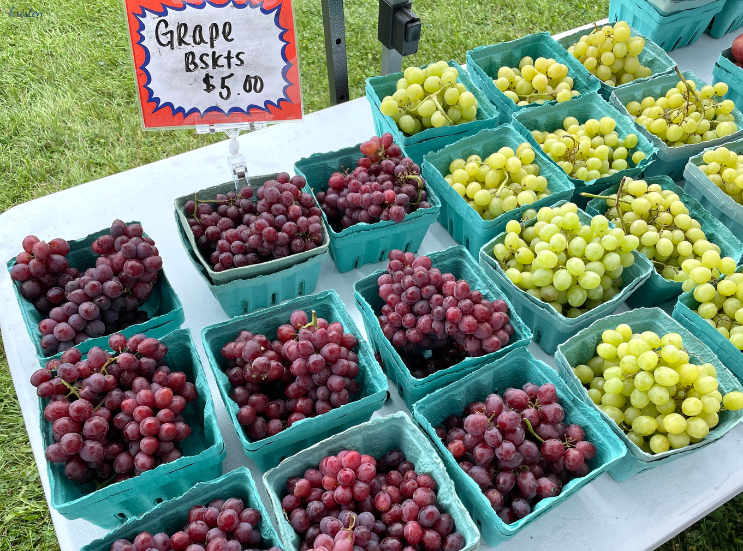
x,y
335,50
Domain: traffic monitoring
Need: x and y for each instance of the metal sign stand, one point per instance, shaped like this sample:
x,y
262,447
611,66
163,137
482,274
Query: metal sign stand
x,y
238,165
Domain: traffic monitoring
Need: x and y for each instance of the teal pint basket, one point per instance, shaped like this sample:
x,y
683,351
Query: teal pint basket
x,y
582,348
203,454
715,200
483,64
727,20
668,7
658,289
164,308
513,371
548,326
269,451
460,219
374,438
669,161
652,56
430,139
725,70
548,118
668,31
171,516
351,248
457,261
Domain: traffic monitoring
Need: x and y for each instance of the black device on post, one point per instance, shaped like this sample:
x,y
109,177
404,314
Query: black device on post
x,y
399,32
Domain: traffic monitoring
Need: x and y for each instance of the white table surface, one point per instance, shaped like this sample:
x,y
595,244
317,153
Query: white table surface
x,y
640,513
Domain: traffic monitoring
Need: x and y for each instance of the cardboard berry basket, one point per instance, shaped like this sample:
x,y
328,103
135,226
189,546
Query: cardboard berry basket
x,y
458,217
374,438
549,327
513,371
457,261
484,61
360,244
548,118
582,347
658,289
727,20
725,70
164,308
170,516
269,451
430,139
203,454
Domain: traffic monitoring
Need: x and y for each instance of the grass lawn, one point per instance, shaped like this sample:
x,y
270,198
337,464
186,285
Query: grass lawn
x,y
68,115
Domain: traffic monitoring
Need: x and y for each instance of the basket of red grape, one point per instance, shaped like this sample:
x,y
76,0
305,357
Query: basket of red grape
x,y
227,511
301,363
435,318
373,200
74,293
254,246
377,486
516,441
126,426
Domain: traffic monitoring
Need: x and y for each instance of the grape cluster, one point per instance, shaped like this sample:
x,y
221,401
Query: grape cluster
x,y
724,168
383,186
611,54
425,309
590,150
352,500
536,81
114,414
572,266
308,370
242,232
685,115
517,448
647,384
429,98
221,525
441,357
96,302
504,181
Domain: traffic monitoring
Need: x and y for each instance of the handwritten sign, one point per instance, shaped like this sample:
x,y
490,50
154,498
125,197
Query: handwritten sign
x,y
214,61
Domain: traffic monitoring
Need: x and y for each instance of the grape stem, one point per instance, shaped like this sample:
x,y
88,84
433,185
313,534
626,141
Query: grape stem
x,y
531,430
312,323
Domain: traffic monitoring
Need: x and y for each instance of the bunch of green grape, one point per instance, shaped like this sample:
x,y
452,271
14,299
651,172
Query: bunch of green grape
x,y
685,115
611,54
661,396
536,81
668,234
572,266
430,98
590,150
724,168
504,181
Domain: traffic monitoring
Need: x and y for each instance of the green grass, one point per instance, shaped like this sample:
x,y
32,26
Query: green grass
x,y
68,116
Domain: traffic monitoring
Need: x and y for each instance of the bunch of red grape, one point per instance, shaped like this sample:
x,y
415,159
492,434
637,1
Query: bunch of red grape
x,y
222,525
240,232
383,186
114,414
307,371
427,310
93,303
517,448
354,500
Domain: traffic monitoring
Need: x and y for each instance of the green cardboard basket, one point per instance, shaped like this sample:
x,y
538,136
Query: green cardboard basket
x,y
461,220
658,289
484,61
582,347
431,139
591,106
670,160
203,454
363,243
459,262
727,20
550,328
269,451
515,370
374,438
164,308
725,70
171,516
